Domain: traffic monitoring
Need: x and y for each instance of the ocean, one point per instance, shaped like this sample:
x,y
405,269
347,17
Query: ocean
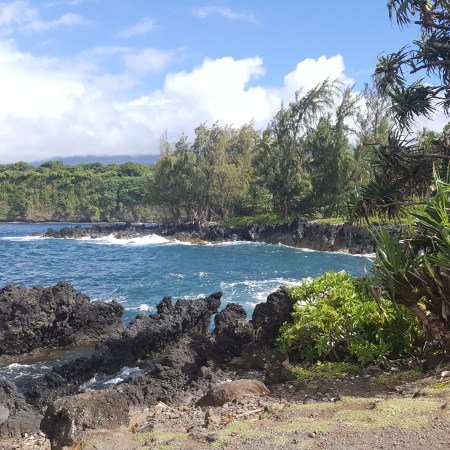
x,y
139,272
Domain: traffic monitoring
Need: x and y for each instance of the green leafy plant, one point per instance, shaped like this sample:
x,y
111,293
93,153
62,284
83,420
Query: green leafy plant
x,y
415,272
332,321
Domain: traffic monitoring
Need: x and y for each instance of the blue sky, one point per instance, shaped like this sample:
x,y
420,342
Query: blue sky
x,y
108,77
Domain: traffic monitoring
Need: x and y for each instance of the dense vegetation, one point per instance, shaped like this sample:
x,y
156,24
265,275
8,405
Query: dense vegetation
x,y
365,320
86,192
415,271
316,158
333,322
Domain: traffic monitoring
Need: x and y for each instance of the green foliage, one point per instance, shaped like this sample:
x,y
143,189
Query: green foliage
x,y
416,272
333,322
324,370
402,164
54,191
208,179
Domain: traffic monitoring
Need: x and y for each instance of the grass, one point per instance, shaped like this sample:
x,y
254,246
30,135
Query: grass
x,y
160,436
324,370
404,413
436,388
306,424
313,406
242,429
399,377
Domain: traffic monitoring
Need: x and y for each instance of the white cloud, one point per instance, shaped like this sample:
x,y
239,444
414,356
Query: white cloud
x,y
52,107
236,16
68,19
17,13
143,27
148,60
22,17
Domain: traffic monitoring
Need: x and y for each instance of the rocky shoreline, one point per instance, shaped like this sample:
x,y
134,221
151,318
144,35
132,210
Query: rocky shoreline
x,y
197,387
180,360
299,233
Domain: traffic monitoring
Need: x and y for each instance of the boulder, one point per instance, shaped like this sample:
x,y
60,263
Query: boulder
x,y
233,390
67,418
231,333
269,316
16,416
41,318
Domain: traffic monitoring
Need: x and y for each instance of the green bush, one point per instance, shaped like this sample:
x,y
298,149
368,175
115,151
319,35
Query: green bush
x,y
333,322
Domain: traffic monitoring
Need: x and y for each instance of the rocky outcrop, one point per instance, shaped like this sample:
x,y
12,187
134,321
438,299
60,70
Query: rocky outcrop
x,y
16,416
180,361
231,333
39,318
145,337
270,315
297,233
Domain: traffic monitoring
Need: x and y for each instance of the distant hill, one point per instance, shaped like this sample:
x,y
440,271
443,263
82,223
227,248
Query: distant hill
x,y
148,160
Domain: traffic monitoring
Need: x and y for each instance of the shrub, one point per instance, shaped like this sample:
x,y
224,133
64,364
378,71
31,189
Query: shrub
x,y
332,321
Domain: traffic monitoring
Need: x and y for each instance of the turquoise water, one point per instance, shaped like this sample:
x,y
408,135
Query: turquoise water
x,y
139,273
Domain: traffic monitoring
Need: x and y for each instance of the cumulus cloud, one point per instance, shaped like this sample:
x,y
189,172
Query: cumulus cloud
x,y
143,27
53,108
22,17
228,13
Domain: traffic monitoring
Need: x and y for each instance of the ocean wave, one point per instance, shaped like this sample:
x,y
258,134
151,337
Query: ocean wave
x,y
22,238
257,290
103,382
151,239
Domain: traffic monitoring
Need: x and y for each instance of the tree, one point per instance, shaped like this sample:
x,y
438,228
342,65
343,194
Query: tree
x,y
414,270
402,165
282,158
428,56
208,179
332,166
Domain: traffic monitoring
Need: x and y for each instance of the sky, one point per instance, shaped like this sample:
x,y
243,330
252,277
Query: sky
x,y
109,77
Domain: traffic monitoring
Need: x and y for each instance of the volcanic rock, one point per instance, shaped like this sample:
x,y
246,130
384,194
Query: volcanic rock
x,y
58,316
231,333
16,416
270,315
68,417
144,338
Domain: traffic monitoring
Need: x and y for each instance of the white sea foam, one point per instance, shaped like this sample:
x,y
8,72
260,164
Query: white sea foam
x,y
151,239
257,290
22,238
101,382
145,307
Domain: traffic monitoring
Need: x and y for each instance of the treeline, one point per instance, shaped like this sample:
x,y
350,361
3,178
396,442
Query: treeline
x,y
85,192
316,154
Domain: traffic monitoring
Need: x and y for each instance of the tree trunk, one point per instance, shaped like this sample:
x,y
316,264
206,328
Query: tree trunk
x,y
433,327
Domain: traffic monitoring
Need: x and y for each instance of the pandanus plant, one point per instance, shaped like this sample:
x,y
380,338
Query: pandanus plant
x,y
415,272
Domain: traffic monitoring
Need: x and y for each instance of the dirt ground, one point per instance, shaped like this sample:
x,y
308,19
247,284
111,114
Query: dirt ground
x,y
400,410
